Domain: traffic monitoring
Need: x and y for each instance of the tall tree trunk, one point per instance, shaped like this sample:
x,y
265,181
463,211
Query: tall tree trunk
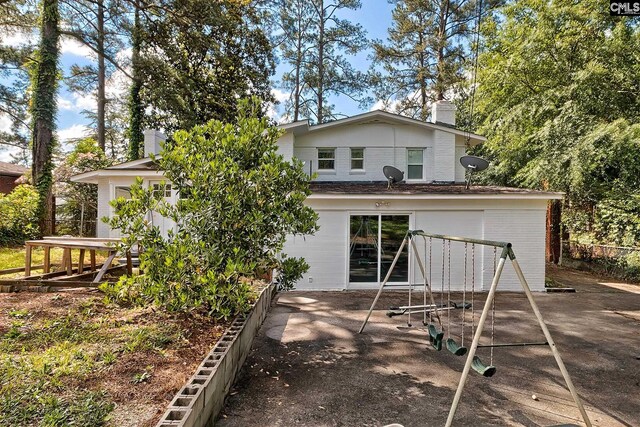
x,y
424,113
554,241
135,107
320,88
43,112
442,41
102,100
298,65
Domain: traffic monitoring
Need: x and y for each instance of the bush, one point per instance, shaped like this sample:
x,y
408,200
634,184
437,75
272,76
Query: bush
x,y
238,201
18,220
291,270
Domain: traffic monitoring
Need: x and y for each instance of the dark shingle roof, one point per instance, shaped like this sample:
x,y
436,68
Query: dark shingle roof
x,y
403,188
12,170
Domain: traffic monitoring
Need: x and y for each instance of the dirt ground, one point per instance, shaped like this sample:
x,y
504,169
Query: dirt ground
x,y
310,367
164,348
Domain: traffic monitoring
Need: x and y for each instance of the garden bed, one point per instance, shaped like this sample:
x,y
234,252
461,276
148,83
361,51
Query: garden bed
x,y
68,359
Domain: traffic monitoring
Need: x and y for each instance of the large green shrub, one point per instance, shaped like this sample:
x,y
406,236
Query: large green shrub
x,y
18,219
238,200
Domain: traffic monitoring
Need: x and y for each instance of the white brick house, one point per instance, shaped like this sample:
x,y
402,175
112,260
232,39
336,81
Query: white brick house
x,y
362,221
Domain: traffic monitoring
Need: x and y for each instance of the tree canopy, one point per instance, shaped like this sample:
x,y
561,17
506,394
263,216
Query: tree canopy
x,y
558,95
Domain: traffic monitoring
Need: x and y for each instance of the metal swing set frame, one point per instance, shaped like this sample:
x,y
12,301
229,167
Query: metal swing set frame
x,y
507,252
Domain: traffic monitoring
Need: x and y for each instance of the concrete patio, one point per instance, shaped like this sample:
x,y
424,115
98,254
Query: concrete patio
x,y
310,367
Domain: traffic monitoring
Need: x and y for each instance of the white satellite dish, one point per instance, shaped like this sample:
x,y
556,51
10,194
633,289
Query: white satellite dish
x,y
392,174
473,164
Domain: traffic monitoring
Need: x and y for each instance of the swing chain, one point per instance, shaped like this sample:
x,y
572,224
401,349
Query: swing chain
x,y
464,293
493,309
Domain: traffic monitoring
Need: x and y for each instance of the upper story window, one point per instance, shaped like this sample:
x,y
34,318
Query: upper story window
x,y
326,159
357,159
415,164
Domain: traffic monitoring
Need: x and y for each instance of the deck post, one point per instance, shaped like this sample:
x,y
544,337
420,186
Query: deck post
x,y
66,261
81,261
47,259
92,253
27,259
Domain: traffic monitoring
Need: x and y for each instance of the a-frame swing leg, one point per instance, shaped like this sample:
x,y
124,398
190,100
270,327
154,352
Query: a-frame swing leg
x,y
384,282
476,338
552,344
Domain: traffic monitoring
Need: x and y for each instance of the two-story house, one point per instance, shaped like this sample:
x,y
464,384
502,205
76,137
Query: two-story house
x,y
363,220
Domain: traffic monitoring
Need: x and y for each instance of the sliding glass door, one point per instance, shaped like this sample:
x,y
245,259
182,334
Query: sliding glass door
x,y
373,243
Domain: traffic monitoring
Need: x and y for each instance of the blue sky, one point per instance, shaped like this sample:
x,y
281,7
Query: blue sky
x,y
374,16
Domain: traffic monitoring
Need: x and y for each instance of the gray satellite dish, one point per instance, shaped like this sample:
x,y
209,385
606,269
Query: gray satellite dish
x,y
392,174
473,164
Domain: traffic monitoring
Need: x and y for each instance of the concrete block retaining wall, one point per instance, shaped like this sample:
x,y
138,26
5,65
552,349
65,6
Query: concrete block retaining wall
x,y
200,400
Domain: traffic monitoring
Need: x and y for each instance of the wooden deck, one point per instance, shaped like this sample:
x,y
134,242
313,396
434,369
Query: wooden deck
x,y
77,276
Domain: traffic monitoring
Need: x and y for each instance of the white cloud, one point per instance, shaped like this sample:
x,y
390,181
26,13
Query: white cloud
x,y
273,110
74,47
15,37
85,101
65,104
5,123
73,132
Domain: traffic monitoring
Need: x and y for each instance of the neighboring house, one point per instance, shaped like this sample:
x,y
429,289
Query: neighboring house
x,y
9,174
362,221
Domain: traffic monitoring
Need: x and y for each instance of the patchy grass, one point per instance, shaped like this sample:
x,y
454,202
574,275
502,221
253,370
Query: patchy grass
x,y
69,359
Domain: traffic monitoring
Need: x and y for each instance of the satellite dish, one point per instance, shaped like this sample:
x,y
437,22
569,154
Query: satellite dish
x,y
392,174
473,164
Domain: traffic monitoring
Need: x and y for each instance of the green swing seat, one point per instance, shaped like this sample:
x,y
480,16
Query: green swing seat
x,y
481,368
435,337
456,349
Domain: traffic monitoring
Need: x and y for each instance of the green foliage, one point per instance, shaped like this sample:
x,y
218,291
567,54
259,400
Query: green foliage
x,y
16,16
81,200
316,44
136,109
424,54
18,221
617,221
291,270
557,97
44,83
200,59
238,201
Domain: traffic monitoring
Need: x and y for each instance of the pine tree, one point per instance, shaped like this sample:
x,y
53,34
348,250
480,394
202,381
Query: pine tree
x,y
15,17
136,109
424,55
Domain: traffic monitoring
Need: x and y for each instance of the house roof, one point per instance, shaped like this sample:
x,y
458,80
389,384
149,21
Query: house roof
x,y
140,167
378,116
9,169
337,189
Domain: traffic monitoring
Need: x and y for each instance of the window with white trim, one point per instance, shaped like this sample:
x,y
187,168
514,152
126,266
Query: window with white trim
x,y
357,159
161,190
121,191
415,164
326,159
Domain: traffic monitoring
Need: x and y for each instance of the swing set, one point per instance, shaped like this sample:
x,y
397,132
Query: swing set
x,y
432,313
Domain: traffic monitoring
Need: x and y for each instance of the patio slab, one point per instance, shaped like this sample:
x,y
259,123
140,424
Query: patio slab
x,y
310,367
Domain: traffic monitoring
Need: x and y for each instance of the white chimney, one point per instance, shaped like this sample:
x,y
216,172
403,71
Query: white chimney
x,y
153,140
443,112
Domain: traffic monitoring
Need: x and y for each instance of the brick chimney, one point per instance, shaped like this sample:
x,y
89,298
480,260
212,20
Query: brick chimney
x,y
443,112
153,140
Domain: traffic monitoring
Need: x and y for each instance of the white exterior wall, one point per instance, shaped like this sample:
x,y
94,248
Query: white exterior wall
x,y
106,193
104,209
384,144
526,229
325,252
522,222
